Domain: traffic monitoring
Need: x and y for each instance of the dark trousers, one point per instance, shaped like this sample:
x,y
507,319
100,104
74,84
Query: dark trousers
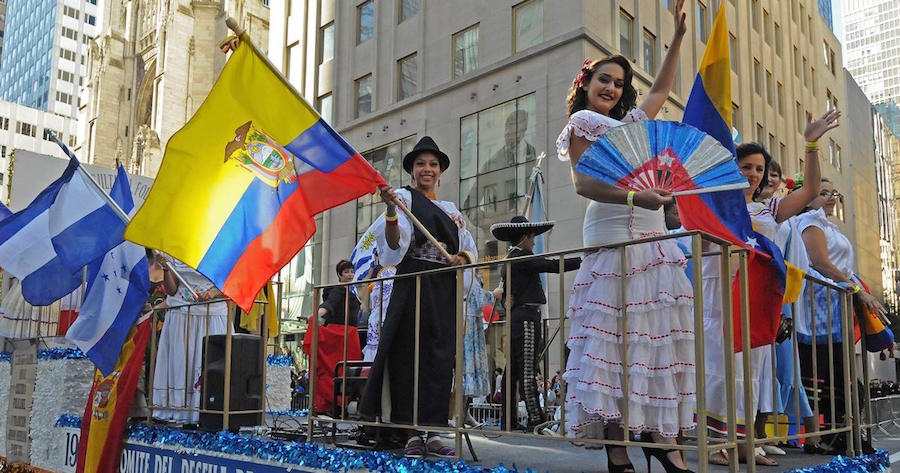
x,y
526,345
821,381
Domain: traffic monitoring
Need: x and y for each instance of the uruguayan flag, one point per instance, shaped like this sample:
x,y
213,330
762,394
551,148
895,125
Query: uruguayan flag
x,y
68,225
538,213
117,288
364,256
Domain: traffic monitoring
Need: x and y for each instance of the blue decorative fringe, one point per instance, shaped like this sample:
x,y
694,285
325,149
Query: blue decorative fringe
x,y
61,354
279,360
877,462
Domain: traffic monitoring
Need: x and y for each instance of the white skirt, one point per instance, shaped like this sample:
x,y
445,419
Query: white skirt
x,y
660,329
179,363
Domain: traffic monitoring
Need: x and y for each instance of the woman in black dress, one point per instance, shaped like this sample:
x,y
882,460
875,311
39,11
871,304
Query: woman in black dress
x,y
389,390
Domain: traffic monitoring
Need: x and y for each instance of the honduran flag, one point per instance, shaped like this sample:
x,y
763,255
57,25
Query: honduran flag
x,y
241,182
68,225
724,214
117,288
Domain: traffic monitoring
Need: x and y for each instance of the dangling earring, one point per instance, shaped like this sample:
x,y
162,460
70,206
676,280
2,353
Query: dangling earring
x,y
439,182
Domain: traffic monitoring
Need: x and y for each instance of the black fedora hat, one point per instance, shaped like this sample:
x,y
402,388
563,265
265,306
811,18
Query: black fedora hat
x,y
517,227
425,145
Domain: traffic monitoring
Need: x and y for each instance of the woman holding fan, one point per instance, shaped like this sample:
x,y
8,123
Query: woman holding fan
x,y
660,392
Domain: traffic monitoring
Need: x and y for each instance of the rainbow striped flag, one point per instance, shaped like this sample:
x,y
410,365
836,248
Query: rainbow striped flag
x,y
241,182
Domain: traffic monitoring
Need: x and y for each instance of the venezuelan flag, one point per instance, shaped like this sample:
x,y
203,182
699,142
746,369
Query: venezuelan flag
x,y
724,214
241,182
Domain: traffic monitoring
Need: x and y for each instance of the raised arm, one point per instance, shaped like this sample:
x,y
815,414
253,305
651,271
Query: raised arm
x,y
665,79
796,201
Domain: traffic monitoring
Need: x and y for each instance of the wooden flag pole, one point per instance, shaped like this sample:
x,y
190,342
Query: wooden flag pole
x,y
425,231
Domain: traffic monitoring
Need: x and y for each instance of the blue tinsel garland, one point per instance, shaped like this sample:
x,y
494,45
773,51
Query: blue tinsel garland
x,y
877,462
5,356
342,459
279,360
61,354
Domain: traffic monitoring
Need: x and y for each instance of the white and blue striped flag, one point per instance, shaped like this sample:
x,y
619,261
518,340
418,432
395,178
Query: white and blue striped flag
x,y
117,288
365,254
68,225
538,214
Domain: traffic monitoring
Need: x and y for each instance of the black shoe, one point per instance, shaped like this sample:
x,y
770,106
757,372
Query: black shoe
x,y
612,467
819,449
660,454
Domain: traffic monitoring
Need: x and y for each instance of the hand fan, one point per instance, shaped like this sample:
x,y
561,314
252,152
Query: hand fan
x,y
656,154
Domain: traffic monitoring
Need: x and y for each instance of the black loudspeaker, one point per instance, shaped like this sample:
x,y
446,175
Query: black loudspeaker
x,y
246,381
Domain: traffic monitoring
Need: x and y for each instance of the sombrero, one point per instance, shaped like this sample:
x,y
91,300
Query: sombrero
x,y
518,226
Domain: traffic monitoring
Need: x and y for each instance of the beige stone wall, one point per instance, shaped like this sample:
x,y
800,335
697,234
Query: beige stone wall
x,y
160,56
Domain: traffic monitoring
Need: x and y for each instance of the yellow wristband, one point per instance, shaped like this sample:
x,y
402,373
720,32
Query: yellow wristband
x,y
856,289
630,199
389,218
812,145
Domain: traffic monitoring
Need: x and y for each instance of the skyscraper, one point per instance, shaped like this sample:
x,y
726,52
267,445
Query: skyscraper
x,y
873,57
2,23
826,11
44,53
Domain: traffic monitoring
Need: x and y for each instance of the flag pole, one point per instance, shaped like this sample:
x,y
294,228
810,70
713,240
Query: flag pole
x,y
530,198
112,203
242,35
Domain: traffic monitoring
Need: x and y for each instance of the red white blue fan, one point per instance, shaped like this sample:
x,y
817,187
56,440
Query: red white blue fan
x,y
656,154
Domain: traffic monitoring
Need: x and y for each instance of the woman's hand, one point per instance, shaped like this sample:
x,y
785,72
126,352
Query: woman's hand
x,y
389,197
680,20
815,129
871,302
652,199
458,260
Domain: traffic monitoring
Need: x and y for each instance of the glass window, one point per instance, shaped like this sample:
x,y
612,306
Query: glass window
x,y
770,89
365,21
364,95
754,14
779,98
801,121
668,5
626,32
298,278
327,34
796,62
325,107
732,52
649,46
388,160
760,134
801,20
528,24
767,27
497,152
757,76
831,53
778,44
408,9
736,117
827,56
407,77
465,51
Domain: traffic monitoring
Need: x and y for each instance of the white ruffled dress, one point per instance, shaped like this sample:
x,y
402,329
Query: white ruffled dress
x,y
659,316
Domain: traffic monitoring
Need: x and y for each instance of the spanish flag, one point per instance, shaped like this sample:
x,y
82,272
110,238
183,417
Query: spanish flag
x,y
108,405
241,182
724,214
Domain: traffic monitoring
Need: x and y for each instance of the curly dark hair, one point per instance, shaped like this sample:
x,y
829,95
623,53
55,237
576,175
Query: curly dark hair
x,y
746,149
576,99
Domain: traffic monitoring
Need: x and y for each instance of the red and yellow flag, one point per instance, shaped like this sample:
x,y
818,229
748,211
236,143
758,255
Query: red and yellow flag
x,y
108,405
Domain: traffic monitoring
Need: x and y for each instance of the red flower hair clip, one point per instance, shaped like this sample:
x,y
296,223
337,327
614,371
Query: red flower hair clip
x,y
790,184
585,70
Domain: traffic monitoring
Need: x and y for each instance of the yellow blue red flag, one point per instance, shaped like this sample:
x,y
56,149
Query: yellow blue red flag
x,y
108,405
241,182
724,214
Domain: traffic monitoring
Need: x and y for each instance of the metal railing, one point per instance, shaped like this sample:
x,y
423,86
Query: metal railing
x,y
731,258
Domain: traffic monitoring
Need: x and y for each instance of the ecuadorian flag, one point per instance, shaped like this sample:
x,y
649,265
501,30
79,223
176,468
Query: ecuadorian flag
x,y
724,213
240,184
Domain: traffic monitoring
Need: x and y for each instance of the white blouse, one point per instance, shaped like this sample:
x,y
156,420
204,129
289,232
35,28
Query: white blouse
x,y
392,257
606,223
840,250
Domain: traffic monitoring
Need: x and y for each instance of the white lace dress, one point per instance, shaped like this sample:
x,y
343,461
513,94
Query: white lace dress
x,y
659,316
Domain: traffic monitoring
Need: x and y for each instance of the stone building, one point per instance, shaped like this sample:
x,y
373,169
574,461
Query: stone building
x,y
149,70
